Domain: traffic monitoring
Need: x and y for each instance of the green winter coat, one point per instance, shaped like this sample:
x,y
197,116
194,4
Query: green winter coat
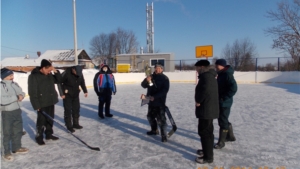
x,y
227,86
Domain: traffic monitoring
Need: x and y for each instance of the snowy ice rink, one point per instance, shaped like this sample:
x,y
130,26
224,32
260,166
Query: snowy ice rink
x,y
265,118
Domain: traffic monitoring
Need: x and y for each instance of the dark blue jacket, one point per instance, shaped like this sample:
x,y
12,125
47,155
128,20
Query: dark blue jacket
x,y
159,89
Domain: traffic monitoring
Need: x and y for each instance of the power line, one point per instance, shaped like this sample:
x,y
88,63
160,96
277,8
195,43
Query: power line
x,y
17,49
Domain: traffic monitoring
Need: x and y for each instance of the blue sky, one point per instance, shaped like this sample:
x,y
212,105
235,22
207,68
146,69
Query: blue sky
x,y
28,26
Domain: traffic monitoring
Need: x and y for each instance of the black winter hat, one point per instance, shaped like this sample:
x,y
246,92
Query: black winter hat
x,y
78,70
5,72
45,63
221,62
202,63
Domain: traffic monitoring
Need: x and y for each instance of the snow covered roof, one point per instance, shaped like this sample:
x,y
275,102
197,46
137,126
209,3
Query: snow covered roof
x,y
60,55
145,54
53,55
20,61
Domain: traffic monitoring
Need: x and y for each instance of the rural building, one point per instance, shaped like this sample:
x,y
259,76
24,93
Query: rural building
x,y
66,57
59,59
139,61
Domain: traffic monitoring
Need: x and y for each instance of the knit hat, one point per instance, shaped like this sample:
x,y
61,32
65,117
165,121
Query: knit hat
x,y
78,70
159,65
103,65
221,62
202,63
45,63
5,72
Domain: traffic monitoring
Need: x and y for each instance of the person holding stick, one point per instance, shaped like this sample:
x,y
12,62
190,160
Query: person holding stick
x,y
43,97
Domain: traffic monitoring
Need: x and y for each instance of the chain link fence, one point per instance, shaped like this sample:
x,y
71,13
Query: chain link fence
x,y
256,64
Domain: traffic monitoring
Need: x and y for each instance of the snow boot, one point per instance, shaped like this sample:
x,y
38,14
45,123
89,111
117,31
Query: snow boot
x,y
71,129
200,153
201,160
101,115
76,123
164,139
39,141
163,133
153,132
230,135
222,137
69,125
51,137
40,136
109,115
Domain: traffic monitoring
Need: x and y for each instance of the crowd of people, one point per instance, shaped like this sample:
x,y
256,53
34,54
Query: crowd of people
x,y
213,100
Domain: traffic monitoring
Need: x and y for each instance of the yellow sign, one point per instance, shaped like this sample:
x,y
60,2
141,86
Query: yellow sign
x,y
204,51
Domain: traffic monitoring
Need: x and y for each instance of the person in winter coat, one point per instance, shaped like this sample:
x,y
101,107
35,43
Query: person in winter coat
x,y
43,97
157,86
72,78
207,109
104,86
12,124
227,88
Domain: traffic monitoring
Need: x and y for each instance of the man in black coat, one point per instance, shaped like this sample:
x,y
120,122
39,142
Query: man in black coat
x,y
43,97
206,98
227,88
72,78
157,88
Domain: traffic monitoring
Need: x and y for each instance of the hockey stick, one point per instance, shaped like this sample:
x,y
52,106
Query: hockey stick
x,y
174,127
92,148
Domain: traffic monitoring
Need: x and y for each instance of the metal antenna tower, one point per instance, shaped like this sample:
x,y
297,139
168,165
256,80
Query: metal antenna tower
x,y
150,28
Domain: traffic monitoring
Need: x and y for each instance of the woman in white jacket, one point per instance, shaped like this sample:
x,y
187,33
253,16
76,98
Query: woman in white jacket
x,y
11,97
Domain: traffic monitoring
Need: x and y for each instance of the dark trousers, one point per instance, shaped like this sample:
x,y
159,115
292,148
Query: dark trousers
x,y
72,109
43,123
12,130
157,116
206,133
105,99
223,118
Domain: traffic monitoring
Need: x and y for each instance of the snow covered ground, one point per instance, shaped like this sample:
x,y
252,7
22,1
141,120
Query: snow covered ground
x,y
265,118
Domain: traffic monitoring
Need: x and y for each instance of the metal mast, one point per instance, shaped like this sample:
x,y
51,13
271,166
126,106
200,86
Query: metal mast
x,y
75,33
150,28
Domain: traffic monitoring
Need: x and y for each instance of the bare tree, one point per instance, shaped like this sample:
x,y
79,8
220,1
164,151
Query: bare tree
x,y
267,67
126,41
287,33
240,55
99,48
104,46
